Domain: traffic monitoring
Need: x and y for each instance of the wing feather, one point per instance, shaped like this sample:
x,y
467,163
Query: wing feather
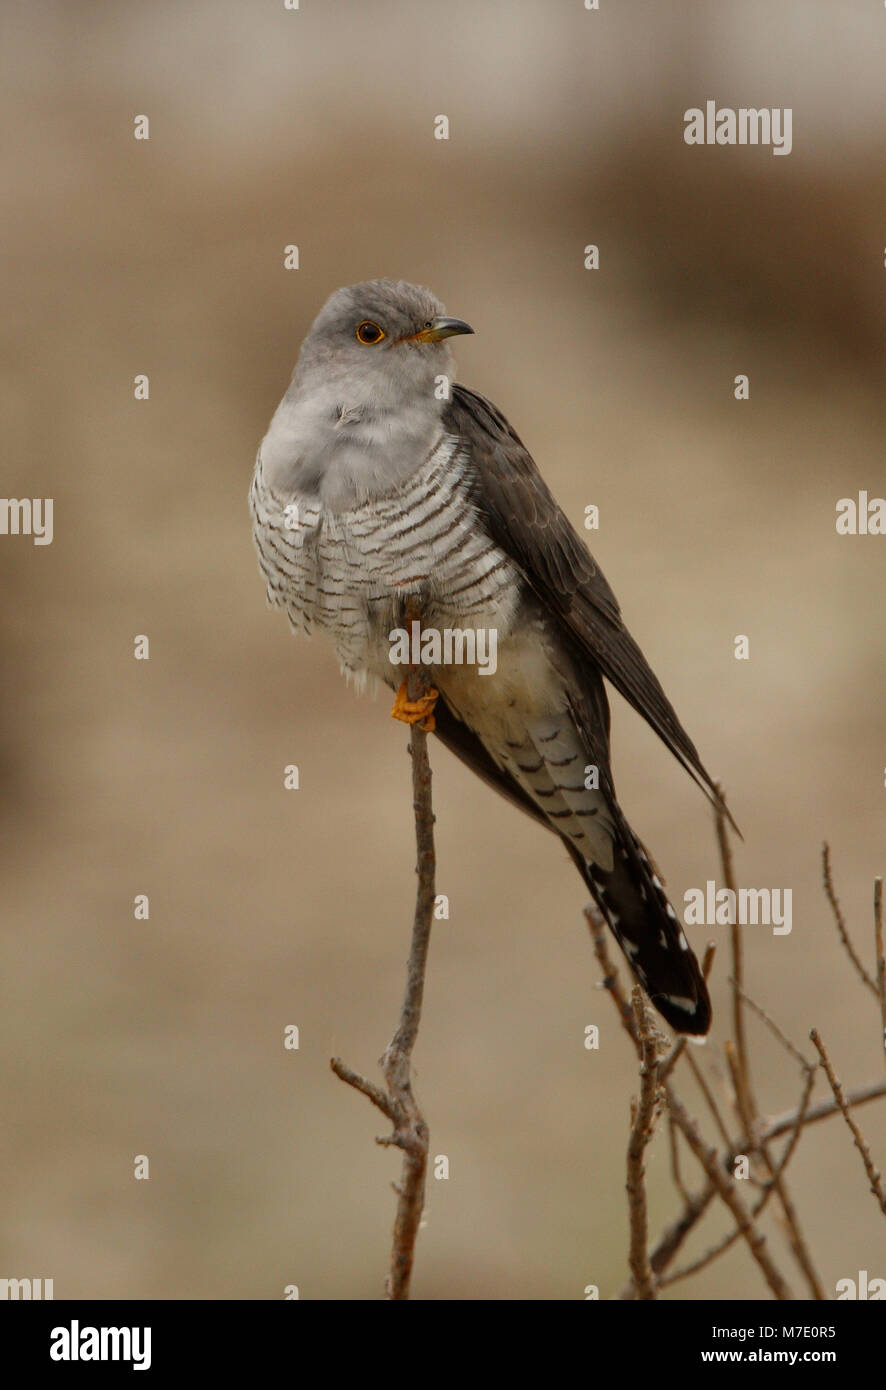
x,y
520,514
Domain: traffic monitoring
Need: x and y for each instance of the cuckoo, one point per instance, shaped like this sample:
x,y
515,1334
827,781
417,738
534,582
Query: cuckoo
x,y
379,480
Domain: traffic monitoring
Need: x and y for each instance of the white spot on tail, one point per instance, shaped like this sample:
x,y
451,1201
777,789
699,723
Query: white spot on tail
x,y
680,1001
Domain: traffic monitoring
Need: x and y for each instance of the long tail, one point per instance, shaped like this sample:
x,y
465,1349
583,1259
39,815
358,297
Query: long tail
x,y
633,901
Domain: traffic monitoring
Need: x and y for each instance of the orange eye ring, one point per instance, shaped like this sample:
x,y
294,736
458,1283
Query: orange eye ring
x,y
369,333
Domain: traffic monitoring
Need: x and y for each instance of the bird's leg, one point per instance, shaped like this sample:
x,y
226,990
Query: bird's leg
x,y
411,711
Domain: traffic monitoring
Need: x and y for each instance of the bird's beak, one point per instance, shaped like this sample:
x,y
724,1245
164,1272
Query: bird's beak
x,y
442,328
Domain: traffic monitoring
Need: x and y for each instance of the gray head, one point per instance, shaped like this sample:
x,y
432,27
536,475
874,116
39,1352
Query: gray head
x,y
386,339
364,406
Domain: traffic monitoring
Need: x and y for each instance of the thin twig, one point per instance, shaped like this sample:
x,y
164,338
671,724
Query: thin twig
x,y
756,1145
610,981
697,1203
880,958
725,1188
399,1105
780,1124
838,917
675,1160
650,1270
775,1030
643,1123
365,1087
744,1098
672,1239
723,1245
739,1065
709,1097
707,960
873,1175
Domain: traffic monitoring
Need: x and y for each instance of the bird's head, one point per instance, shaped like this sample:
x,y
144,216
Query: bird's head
x,y
383,343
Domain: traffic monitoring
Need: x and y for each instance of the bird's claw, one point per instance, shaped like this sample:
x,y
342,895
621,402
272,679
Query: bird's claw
x,y
415,711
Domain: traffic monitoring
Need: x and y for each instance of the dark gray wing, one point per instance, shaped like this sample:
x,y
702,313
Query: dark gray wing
x,y
516,508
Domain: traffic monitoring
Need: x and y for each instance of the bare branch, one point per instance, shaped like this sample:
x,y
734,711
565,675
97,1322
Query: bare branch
x,y
873,1175
838,917
775,1030
723,1245
707,960
742,1075
643,1124
880,958
725,1187
757,1145
610,980
709,1097
780,1124
697,1203
648,1268
366,1088
675,1160
672,1239
739,1066
399,1105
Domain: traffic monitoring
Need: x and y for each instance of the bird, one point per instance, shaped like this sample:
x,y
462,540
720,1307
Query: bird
x,y
381,480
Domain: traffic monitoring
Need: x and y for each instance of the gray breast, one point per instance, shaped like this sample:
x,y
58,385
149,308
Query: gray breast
x,y
345,571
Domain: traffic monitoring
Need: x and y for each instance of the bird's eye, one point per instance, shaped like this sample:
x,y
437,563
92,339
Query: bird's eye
x,y
369,333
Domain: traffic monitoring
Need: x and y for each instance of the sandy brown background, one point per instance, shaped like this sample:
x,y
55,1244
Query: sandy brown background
x,y
269,908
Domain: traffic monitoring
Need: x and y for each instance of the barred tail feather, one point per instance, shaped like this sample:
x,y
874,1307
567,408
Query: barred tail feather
x,y
632,899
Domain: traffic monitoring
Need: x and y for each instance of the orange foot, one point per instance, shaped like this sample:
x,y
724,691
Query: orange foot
x,y
411,711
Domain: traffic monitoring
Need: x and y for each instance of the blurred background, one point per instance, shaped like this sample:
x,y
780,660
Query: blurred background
x,y
268,908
